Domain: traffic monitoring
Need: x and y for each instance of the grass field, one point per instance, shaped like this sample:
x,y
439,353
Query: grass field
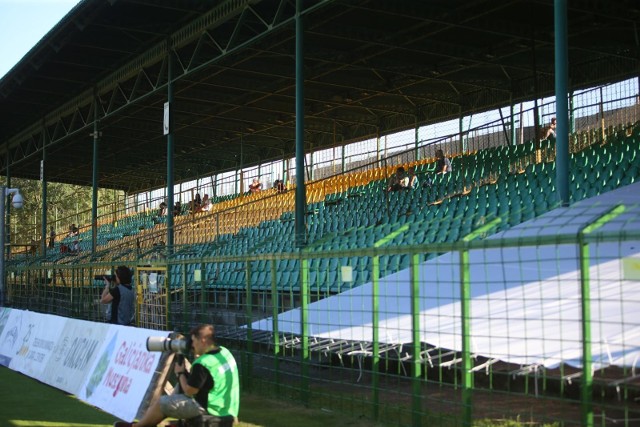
x,y
26,402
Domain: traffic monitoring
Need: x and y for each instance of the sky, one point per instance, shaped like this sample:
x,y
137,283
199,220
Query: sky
x,y
23,23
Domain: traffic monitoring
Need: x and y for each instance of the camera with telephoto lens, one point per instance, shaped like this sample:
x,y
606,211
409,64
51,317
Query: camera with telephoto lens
x,y
181,344
109,277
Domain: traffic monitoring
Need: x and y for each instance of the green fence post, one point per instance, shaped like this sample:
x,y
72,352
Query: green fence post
x,y
275,300
184,297
375,323
586,388
416,395
248,312
304,326
465,315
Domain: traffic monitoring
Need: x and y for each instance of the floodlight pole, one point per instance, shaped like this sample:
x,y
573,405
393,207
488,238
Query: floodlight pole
x,y
4,192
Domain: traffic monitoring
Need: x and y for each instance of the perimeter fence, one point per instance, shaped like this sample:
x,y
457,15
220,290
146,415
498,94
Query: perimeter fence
x,y
537,323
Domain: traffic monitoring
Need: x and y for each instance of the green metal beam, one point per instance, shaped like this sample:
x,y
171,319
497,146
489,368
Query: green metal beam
x,y
586,387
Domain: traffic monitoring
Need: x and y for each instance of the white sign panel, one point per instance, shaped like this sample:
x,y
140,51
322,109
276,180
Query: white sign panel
x,y
11,327
74,354
105,365
122,372
166,120
38,337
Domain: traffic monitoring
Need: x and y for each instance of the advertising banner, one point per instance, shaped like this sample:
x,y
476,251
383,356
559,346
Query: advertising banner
x,y
105,365
37,339
122,372
74,354
11,323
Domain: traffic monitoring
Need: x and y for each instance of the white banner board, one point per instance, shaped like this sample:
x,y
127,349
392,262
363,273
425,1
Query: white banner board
x,y
107,366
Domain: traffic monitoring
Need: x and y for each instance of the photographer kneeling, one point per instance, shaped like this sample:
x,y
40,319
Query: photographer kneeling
x,y
211,388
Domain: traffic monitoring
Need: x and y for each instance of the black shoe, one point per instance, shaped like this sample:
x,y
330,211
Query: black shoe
x,y
122,424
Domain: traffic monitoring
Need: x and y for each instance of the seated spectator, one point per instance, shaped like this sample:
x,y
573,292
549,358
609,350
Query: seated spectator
x,y
197,202
550,131
443,164
177,209
399,180
255,186
73,230
162,210
278,184
206,204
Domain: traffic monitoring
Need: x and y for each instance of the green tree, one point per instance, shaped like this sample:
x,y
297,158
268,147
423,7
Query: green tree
x,y
66,204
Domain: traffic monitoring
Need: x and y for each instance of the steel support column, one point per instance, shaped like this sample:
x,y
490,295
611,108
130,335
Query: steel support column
x,y
170,150
7,227
43,180
562,108
301,197
94,186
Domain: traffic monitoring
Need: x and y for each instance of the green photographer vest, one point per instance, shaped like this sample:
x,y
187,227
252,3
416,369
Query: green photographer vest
x,y
224,398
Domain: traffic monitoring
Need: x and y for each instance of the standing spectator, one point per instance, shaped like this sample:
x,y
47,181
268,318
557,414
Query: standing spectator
x,y
52,238
121,297
255,186
399,180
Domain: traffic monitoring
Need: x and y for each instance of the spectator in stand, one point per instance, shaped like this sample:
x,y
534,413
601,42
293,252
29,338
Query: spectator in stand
x,y
550,131
255,186
197,202
73,230
206,204
443,164
278,184
162,210
177,209
399,180
52,238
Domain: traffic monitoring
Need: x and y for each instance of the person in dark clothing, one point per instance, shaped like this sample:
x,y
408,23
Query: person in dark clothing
x,y
399,180
443,164
121,297
52,238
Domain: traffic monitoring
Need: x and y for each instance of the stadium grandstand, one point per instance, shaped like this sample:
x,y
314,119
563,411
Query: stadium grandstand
x,y
505,289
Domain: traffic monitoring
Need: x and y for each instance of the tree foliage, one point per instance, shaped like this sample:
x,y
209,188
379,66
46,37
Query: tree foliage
x,y
65,205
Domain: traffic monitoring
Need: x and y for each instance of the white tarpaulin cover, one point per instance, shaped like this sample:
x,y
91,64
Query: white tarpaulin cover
x,y
525,306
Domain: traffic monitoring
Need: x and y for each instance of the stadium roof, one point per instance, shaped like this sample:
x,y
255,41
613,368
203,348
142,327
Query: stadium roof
x,y
371,66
